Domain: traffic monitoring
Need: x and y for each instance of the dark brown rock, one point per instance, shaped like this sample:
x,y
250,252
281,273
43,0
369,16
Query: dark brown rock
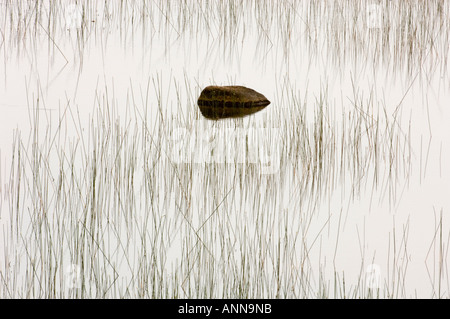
x,y
218,102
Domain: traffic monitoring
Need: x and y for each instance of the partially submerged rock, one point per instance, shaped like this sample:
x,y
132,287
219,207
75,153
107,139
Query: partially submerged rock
x,y
218,102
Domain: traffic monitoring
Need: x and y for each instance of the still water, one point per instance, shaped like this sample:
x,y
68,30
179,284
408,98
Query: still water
x,y
114,185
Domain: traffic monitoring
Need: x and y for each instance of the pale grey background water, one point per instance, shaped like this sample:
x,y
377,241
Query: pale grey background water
x,y
346,234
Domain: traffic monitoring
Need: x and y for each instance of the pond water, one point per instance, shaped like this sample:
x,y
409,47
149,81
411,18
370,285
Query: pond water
x,y
114,185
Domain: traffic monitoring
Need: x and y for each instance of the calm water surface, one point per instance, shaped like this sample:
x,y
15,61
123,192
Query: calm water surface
x,y
343,177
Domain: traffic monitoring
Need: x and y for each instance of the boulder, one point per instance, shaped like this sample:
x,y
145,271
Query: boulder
x,y
219,102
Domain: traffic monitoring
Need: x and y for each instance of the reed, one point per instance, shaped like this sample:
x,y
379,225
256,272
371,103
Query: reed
x,y
140,197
